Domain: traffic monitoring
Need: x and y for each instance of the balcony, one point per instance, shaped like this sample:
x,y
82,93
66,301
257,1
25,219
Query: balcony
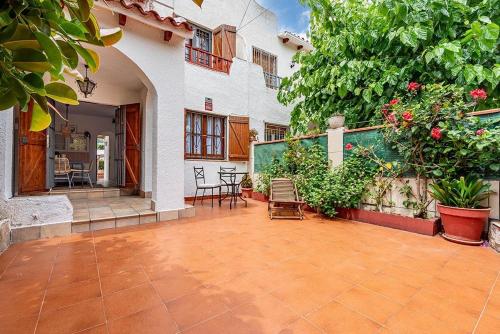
x,y
272,81
208,60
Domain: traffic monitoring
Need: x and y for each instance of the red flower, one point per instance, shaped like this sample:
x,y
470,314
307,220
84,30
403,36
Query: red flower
x,y
479,94
385,108
407,116
436,133
413,86
349,147
392,118
393,102
480,132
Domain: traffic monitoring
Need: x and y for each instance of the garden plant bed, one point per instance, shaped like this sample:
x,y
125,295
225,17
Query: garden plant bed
x,y
260,197
415,225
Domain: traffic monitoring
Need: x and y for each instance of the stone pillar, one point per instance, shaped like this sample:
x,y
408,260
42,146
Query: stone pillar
x,y
335,146
494,235
6,152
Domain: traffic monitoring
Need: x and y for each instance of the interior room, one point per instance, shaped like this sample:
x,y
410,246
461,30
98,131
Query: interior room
x,y
86,136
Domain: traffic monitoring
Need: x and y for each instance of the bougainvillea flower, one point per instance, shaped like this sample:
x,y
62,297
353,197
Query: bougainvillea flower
x,y
436,133
393,102
392,118
349,147
480,132
385,108
479,94
407,116
413,86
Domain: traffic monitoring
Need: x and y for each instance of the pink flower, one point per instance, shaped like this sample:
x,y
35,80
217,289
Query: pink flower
x,y
349,147
479,94
480,132
392,118
413,86
436,133
407,116
393,102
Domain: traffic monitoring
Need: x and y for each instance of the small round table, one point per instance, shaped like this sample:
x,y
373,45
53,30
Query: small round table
x,y
233,185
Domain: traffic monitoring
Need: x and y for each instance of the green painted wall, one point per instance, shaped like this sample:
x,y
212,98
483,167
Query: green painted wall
x,y
265,153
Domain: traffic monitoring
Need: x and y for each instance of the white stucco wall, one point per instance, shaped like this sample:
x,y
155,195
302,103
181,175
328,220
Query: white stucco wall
x,y
160,66
6,153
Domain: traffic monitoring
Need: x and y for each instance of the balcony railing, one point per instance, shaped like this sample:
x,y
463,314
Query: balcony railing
x,y
206,59
272,81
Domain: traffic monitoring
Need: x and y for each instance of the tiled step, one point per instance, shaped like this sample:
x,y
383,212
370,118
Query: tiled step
x,y
95,193
80,224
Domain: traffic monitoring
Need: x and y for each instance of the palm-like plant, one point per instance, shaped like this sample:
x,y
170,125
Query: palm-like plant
x,y
463,193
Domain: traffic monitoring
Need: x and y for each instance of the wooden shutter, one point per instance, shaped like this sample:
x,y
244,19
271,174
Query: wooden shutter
x,y
239,138
225,41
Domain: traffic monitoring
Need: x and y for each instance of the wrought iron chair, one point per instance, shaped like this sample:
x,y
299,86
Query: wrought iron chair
x,y
199,177
83,173
62,170
227,180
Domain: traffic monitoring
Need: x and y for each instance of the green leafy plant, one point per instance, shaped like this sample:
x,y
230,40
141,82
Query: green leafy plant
x,y
462,193
39,42
246,182
367,51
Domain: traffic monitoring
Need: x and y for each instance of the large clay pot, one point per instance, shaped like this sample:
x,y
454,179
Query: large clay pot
x,y
336,122
463,225
246,192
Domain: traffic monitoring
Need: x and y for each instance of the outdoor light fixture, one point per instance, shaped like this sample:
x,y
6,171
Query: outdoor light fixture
x,y
86,85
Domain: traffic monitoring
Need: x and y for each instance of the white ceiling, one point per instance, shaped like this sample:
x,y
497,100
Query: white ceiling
x,y
86,108
116,69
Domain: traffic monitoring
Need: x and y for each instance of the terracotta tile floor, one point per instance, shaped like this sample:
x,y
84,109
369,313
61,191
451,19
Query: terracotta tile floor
x,y
237,272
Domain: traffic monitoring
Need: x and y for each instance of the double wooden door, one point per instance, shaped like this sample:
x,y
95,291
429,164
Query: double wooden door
x,y
34,151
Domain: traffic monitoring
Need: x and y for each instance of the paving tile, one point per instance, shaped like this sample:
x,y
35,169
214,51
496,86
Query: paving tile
x,y
12,325
371,304
171,288
123,280
66,273
390,287
488,325
151,321
73,318
126,302
194,308
336,318
300,326
61,296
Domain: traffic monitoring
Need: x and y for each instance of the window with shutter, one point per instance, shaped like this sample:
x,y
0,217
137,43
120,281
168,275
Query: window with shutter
x,y
204,136
239,138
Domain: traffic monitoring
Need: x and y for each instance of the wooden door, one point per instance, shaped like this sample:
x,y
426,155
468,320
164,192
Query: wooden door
x,y
32,155
133,146
120,169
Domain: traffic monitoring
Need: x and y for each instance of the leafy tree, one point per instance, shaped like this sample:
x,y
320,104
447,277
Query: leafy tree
x,y
368,51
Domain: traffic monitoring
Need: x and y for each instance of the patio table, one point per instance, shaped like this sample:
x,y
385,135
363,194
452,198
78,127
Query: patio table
x,y
233,186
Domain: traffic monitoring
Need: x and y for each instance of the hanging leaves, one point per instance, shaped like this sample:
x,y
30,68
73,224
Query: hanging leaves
x,y
39,38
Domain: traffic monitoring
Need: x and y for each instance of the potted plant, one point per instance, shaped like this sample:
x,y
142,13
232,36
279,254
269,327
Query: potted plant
x,y
246,186
462,216
336,121
254,135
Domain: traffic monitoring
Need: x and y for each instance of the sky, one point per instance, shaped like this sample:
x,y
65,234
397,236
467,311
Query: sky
x,y
292,15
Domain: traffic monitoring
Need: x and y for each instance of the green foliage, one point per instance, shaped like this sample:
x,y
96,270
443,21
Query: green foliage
x,y
44,39
246,182
435,138
462,193
367,51
319,186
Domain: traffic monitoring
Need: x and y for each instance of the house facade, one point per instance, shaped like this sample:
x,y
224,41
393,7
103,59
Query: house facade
x,y
182,89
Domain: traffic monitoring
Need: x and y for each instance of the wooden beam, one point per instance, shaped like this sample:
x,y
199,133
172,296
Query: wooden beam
x,y
300,47
167,36
285,40
122,19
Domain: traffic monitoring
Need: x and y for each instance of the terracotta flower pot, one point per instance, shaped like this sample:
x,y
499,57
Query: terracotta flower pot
x,y
463,225
246,192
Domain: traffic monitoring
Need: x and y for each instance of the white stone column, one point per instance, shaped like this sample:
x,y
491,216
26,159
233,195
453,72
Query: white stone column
x,y
6,152
335,146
